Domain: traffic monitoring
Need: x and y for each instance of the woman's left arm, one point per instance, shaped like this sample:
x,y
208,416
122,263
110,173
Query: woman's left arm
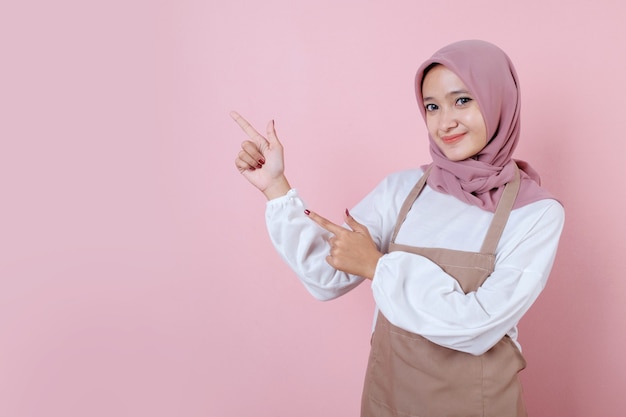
x,y
432,304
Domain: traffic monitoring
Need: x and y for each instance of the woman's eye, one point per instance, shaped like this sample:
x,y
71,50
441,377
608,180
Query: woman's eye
x,y
431,107
463,100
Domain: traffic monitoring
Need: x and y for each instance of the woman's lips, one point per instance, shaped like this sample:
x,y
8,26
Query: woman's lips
x,y
452,138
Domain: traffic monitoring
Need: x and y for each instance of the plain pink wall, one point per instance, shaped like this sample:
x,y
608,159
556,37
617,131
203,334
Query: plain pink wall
x,y
136,277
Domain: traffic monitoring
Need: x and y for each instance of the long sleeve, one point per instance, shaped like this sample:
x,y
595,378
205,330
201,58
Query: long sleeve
x,y
418,296
303,246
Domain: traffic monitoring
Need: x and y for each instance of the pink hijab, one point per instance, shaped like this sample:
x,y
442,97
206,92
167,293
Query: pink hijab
x,y
489,74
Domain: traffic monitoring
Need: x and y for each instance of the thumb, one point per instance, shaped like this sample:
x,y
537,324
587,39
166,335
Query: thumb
x,y
272,138
354,225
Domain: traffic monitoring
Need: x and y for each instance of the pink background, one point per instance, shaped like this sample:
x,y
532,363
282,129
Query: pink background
x,y
136,276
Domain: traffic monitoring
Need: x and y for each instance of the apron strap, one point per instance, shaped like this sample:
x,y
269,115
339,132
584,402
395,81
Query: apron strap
x,y
408,202
501,216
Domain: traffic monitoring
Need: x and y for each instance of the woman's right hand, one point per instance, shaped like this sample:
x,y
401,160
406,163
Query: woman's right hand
x,y
261,160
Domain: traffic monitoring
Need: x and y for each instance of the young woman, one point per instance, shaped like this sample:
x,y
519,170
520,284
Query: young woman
x,y
456,251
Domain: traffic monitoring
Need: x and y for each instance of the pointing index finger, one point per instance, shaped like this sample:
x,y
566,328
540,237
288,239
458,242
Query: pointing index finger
x,y
247,127
325,223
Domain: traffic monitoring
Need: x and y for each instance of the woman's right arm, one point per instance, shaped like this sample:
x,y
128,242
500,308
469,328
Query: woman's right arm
x,y
304,246
301,243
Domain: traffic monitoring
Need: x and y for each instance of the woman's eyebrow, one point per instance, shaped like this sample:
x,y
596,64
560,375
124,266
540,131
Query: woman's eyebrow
x,y
451,93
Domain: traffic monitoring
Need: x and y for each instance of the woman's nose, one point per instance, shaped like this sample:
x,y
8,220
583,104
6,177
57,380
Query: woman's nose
x,y
447,120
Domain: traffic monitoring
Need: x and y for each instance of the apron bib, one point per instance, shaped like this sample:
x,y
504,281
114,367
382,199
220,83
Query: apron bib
x,y
410,376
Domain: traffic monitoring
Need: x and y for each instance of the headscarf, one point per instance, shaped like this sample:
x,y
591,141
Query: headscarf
x,y
490,76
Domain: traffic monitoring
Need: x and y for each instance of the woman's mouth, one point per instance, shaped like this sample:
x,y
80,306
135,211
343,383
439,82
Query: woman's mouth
x,y
452,138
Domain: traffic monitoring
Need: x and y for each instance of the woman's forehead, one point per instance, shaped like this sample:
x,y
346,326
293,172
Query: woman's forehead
x,y
441,80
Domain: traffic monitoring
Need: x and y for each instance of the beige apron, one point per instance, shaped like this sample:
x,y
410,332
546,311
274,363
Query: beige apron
x,y
408,375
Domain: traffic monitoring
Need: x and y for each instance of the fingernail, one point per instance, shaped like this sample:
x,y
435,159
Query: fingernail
x,y
261,161
307,212
347,213
259,166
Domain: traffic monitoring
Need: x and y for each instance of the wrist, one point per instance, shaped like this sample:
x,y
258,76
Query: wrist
x,y
373,266
277,188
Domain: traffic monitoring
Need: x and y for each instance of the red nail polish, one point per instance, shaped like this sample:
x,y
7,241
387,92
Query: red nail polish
x,y
261,161
347,213
259,166
307,212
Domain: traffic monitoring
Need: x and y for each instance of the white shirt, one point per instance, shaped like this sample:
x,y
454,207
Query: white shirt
x,y
414,293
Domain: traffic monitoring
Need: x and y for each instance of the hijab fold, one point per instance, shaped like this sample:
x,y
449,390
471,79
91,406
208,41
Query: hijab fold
x,y
489,74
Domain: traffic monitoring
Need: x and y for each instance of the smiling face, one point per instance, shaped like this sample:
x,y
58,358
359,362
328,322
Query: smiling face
x,y
453,117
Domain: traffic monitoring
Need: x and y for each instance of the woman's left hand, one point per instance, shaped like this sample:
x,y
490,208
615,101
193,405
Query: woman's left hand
x,y
351,251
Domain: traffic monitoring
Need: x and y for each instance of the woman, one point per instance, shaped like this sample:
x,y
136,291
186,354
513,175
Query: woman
x,y
456,252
